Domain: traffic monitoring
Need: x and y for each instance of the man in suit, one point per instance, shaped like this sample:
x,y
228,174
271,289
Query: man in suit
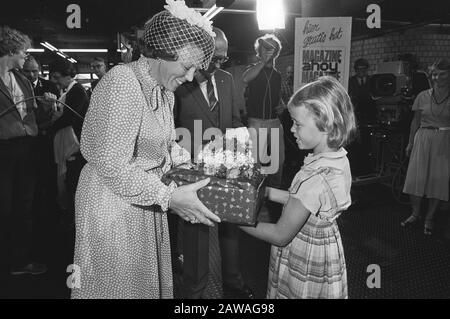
x,y
44,207
359,91
365,112
211,98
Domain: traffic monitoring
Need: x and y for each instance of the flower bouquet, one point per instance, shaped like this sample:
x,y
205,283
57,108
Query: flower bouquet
x,y
236,186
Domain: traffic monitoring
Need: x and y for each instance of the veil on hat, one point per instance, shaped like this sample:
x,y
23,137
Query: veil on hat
x,y
176,28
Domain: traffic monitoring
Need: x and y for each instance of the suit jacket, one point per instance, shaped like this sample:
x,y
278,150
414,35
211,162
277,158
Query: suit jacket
x,y
365,109
11,124
190,105
77,98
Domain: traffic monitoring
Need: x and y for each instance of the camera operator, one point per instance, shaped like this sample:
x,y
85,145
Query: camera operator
x,y
263,97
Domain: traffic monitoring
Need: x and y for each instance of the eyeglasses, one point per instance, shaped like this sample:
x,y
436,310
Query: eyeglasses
x,y
97,66
219,59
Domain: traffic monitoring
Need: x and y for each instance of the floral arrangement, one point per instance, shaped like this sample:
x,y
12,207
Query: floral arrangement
x,y
229,156
179,10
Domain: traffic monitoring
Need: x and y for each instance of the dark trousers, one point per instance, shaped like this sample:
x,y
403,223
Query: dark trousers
x,y
45,218
17,190
195,242
360,153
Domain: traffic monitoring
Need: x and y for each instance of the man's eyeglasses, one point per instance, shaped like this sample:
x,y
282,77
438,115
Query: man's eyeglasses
x,y
219,59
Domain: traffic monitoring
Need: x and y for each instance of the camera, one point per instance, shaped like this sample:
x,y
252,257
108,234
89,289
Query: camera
x,y
388,87
266,44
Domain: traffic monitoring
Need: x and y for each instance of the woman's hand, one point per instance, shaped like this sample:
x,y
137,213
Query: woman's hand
x,y
57,111
408,149
48,101
185,203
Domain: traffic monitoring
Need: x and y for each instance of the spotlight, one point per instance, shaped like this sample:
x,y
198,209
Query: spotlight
x,y
270,14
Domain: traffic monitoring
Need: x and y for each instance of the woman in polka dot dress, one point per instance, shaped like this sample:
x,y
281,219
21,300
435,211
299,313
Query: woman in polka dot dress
x,y
122,239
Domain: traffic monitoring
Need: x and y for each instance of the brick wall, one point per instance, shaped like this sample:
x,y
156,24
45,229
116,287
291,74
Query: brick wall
x,y
424,43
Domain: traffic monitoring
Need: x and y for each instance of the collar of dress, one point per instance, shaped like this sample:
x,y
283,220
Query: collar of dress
x,y
312,158
149,86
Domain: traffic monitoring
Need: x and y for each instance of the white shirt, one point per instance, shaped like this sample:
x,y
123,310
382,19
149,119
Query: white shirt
x,y
205,90
63,96
17,95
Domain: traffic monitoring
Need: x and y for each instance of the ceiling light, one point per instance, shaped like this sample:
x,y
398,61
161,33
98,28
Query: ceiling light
x,y
47,47
215,12
212,12
51,46
61,55
32,50
85,50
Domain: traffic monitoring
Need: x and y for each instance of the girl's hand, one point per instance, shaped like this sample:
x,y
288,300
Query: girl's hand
x,y
185,203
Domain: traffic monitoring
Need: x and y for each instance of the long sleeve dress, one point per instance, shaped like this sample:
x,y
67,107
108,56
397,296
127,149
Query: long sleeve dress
x,y
122,239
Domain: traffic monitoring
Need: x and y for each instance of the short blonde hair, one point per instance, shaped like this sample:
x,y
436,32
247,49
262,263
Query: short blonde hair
x,y
330,104
12,41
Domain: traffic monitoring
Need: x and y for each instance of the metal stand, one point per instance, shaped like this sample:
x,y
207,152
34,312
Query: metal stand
x,y
388,160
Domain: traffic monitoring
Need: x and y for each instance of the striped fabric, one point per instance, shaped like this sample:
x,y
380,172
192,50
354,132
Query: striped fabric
x,y
312,265
211,95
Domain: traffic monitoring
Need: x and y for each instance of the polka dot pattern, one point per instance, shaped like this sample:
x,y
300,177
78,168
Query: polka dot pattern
x,y
122,238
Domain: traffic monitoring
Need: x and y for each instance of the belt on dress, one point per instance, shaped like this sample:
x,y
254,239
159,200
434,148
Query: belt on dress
x,y
445,128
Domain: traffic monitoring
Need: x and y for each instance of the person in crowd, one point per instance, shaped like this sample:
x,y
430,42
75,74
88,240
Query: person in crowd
x,y
18,132
75,102
428,173
307,256
360,93
99,66
365,112
236,69
210,98
263,97
44,211
122,239
293,156
287,86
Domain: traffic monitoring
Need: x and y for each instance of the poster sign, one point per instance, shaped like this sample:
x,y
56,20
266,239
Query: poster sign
x,y
322,47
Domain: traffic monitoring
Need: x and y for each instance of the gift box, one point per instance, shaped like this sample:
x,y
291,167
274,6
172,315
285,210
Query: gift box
x,y
234,200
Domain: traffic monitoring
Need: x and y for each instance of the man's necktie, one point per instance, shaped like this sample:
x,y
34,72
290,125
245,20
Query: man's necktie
x,y
211,96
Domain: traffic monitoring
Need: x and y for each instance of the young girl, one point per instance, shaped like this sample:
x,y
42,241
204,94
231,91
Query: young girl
x,y
307,257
